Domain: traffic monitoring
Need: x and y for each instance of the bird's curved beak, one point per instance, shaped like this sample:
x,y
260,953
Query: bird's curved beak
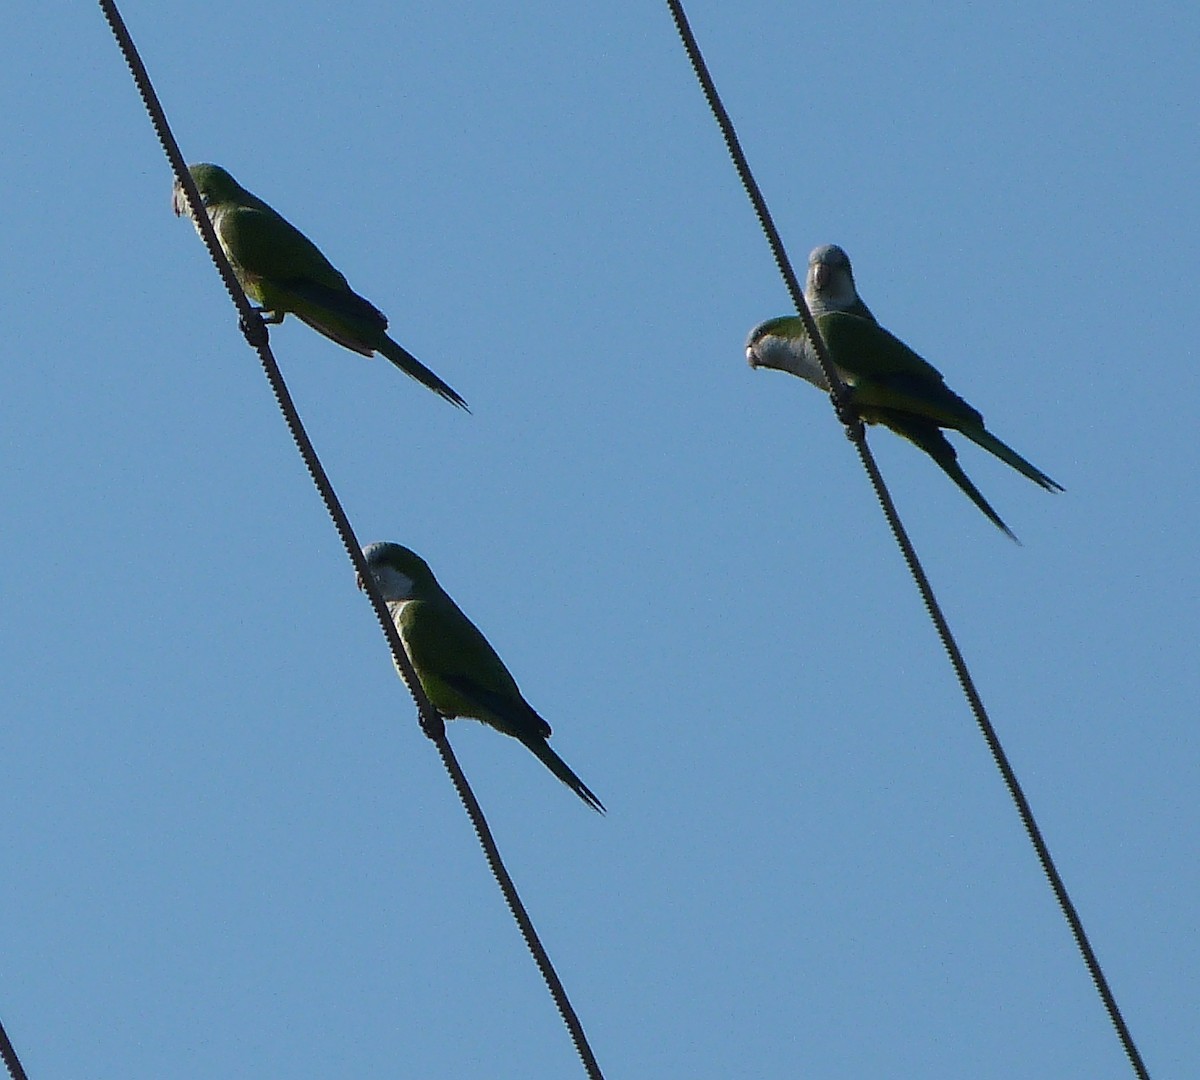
x,y
820,276
358,580
752,356
179,201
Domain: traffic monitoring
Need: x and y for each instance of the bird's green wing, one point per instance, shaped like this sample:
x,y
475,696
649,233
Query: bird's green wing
x,y
463,676
513,716
459,669
340,314
871,350
266,245
887,374
284,271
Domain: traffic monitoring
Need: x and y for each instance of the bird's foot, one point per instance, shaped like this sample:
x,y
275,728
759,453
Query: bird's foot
x,y
269,316
434,727
847,413
254,330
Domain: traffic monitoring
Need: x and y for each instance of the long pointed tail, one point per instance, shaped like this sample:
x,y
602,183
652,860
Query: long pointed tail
x,y
953,470
410,365
1010,457
928,436
562,770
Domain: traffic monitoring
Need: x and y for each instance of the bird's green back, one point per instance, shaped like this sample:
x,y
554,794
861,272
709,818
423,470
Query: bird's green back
x,y
459,669
266,246
887,374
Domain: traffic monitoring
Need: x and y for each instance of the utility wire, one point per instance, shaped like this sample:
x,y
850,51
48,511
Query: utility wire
x,y
854,430
9,1056
431,721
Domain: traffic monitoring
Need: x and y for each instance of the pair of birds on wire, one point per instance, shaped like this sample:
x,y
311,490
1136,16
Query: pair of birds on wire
x,y
284,272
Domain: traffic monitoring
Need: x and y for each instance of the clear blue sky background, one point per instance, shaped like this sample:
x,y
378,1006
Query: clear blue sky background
x,y
227,849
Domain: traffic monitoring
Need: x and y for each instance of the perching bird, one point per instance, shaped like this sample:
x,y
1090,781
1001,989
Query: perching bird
x,y
458,669
279,268
889,383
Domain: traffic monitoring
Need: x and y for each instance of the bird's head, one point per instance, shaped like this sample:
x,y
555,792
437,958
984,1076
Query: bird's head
x,y
215,185
400,574
830,281
775,343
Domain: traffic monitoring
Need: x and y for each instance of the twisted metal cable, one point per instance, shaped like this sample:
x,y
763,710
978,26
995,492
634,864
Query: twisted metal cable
x,y
431,721
519,914
857,435
9,1056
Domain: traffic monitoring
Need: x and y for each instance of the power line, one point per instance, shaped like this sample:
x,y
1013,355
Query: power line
x,y
854,429
431,721
9,1056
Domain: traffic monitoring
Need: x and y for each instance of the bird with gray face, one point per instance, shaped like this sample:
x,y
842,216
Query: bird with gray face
x,y
829,283
459,670
281,269
889,383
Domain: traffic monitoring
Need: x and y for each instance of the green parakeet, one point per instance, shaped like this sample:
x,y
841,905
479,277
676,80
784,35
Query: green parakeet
x,y
889,383
279,268
458,669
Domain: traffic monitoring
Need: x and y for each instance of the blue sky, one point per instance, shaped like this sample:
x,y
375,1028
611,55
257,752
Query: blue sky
x,y
227,848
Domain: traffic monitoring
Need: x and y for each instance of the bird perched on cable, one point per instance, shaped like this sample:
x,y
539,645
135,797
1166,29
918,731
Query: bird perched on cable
x,y
889,383
456,665
279,268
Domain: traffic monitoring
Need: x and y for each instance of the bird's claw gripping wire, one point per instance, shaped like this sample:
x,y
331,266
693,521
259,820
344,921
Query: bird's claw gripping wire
x,y
270,316
843,405
254,330
434,728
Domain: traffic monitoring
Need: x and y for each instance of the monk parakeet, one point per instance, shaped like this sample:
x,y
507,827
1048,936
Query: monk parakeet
x,y
889,383
459,670
279,268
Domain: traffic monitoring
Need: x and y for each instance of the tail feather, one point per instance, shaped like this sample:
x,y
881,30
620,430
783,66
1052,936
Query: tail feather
x,y
563,771
413,367
953,470
1009,456
928,436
